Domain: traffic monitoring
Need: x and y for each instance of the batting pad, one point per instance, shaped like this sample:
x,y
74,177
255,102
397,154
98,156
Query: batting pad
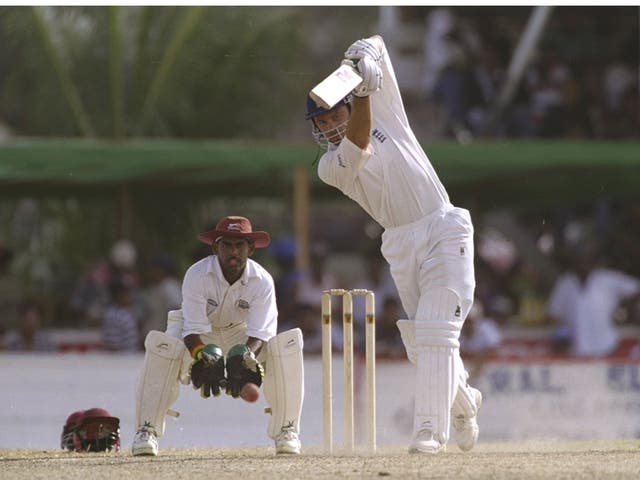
x,y
158,383
284,381
175,320
439,318
435,387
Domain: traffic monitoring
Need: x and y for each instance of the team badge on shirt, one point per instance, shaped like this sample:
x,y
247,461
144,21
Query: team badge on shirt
x,y
212,305
242,304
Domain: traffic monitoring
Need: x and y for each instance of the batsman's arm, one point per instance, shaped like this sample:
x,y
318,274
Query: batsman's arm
x,y
359,127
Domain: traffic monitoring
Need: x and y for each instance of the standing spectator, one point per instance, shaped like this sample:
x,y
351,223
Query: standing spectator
x,y
583,302
451,48
120,324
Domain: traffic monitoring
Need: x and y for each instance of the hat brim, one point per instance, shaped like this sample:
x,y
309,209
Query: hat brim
x,y
259,239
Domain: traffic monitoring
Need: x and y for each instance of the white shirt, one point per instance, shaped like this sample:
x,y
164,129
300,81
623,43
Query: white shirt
x,y
587,310
392,180
209,301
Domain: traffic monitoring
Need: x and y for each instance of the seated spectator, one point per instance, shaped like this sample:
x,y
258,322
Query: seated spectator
x,y
120,323
30,336
584,299
479,339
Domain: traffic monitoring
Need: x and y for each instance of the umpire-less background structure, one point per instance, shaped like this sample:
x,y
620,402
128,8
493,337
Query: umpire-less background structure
x,y
539,139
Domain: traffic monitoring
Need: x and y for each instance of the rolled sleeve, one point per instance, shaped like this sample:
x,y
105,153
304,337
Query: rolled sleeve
x,y
194,303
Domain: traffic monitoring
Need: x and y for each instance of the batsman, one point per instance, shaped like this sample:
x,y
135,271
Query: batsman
x,y
224,339
374,158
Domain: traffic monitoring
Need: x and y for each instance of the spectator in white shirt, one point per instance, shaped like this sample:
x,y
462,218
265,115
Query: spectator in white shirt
x,y
584,299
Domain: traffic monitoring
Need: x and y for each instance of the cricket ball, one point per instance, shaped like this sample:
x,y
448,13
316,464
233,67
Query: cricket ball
x,y
250,392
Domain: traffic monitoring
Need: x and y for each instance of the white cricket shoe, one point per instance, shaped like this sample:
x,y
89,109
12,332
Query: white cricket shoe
x,y
287,441
145,442
423,441
466,429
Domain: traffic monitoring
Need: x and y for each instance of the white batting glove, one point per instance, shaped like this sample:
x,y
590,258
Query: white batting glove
x,y
371,74
361,49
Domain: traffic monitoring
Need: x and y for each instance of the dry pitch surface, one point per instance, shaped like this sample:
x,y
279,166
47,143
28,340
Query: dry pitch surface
x,y
531,460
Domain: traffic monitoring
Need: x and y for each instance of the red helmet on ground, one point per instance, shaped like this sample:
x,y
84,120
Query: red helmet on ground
x,y
92,430
66,439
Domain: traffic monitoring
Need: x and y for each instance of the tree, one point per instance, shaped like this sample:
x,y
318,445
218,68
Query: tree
x,y
119,72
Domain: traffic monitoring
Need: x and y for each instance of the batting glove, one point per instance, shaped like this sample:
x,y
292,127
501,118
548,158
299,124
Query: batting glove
x,y
207,371
242,368
371,74
361,49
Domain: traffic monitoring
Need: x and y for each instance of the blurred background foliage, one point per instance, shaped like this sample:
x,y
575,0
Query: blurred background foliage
x,y
148,71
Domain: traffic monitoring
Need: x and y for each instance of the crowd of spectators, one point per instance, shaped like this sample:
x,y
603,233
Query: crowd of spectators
x,y
582,80
572,276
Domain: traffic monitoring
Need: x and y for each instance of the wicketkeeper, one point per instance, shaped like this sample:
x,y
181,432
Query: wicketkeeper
x,y
224,339
374,158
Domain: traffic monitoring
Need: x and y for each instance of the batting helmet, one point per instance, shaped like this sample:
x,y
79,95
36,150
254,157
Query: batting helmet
x,y
69,428
92,430
313,109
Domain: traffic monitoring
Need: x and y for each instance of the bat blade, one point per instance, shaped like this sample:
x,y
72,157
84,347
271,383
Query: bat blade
x,y
335,87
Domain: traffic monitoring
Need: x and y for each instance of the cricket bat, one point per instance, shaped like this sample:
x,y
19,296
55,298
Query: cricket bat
x,y
335,87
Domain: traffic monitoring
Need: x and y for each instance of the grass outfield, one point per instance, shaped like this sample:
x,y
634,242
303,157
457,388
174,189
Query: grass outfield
x,y
522,460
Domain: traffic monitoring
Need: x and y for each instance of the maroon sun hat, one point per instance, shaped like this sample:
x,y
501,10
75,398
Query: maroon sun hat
x,y
235,226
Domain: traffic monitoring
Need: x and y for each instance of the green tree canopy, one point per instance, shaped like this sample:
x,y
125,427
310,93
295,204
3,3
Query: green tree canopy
x,y
149,71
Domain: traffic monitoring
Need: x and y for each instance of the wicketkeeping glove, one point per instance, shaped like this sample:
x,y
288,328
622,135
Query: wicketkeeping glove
x,y
361,49
207,371
242,368
371,74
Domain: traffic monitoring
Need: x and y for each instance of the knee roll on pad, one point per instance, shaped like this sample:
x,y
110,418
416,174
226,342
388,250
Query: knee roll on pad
x,y
284,380
158,383
439,318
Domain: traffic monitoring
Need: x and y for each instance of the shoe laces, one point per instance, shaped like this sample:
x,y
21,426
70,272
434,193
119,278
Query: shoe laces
x,y
288,433
146,431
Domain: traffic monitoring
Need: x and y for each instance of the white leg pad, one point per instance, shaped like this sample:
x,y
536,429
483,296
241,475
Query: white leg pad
x,y
437,330
284,381
464,401
408,334
435,386
159,381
